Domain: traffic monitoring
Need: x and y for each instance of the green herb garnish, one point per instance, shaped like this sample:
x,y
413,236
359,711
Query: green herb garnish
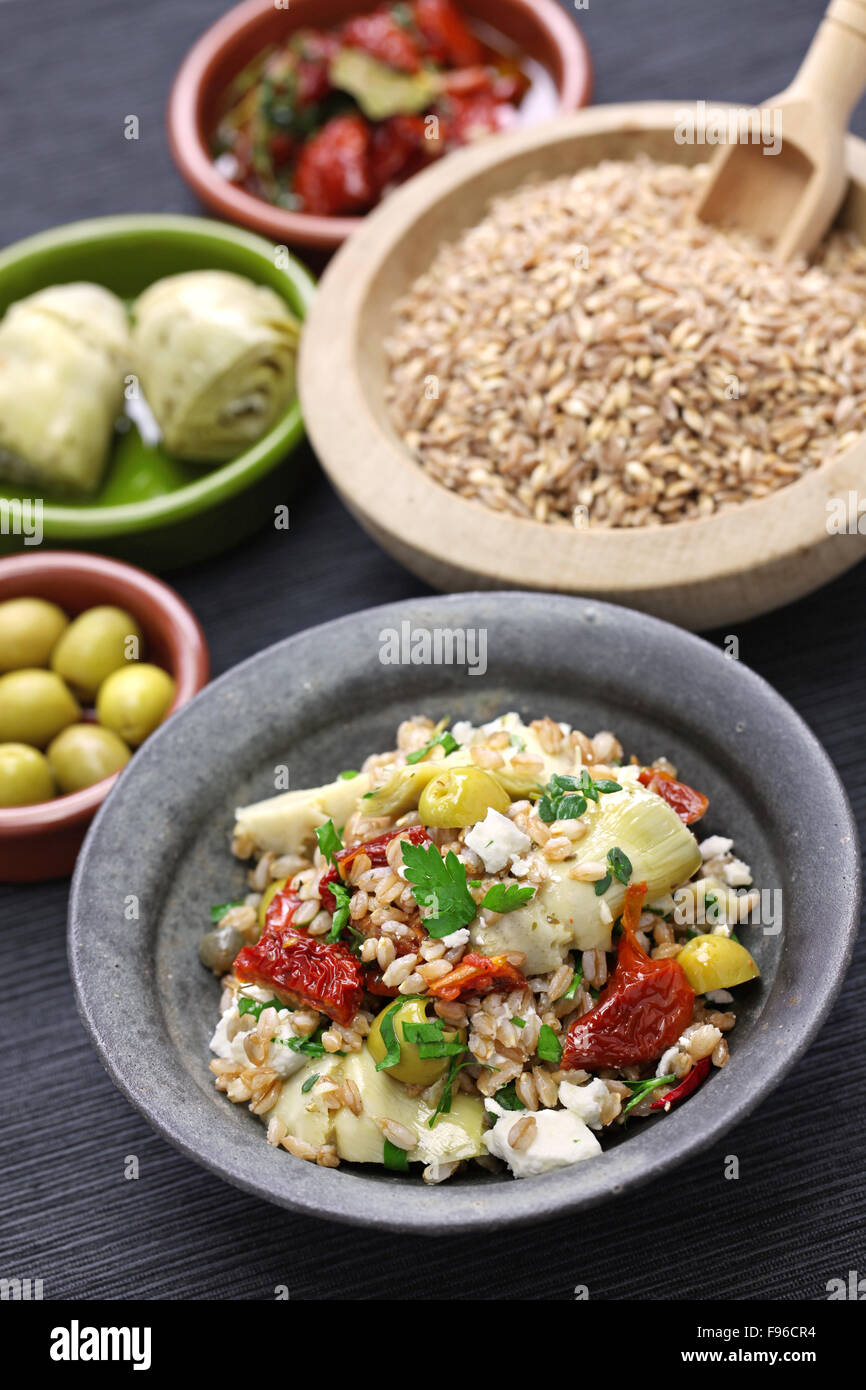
x,y
566,798
549,1047
446,1097
430,1040
246,1005
341,916
444,740
220,910
310,1082
395,1158
348,774
329,840
505,897
508,1098
619,867
440,885
576,982
642,1088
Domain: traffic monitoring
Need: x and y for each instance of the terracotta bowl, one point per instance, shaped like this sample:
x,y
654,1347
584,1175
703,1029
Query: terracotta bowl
x,y
539,28
40,842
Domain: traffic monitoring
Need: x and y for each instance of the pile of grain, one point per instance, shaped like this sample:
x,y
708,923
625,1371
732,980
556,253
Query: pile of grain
x,y
591,353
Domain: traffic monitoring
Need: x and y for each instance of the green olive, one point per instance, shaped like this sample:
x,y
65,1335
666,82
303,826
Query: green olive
x,y
461,796
97,642
29,629
133,700
270,892
85,753
34,706
25,776
412,1068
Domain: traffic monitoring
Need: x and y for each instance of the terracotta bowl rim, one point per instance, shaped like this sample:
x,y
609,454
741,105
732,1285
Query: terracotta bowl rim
x,y
194,162
190,665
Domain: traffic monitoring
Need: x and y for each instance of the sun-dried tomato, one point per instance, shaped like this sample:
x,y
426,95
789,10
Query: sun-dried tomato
x,y
303,970
281,910
333,175
382,37
400,149
690,1083
688,804
478,975
449,38
640,1013
376,851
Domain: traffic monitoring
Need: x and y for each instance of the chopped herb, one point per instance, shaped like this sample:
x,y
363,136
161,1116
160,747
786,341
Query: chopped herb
x,y
312,1046
341,916
246,1005
389,1036
217,913
505,897
395,1158
642,1088
474,883
517,742
444,740
444,1104
519,1022
508,1098
576,982
549,1047
329,840
602,885
440,885
310,1082
348,774
430,1040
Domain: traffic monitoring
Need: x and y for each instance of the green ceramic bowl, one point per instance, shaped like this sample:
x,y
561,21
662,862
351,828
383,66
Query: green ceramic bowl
x,y
152,508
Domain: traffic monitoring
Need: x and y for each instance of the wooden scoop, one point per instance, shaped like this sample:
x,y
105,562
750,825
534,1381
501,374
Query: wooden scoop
x,y
791,197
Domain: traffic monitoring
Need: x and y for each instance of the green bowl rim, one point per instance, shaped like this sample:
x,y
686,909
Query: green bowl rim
x,y
87,523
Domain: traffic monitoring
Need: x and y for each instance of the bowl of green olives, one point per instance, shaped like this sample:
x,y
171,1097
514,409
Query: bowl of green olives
x,y
94,655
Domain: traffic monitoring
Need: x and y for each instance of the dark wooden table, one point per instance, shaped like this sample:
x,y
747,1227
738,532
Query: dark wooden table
x,y
69,75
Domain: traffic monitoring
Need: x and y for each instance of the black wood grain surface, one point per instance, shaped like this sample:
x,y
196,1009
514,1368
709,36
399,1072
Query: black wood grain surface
x,y
69,75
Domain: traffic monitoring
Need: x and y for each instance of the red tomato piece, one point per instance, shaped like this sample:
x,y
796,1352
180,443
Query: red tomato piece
x,y
303,970
332,175
467,118
690,1082
449,38
478,975
382,37
400,149
281,910
313,82
376,851
688,804
640,1013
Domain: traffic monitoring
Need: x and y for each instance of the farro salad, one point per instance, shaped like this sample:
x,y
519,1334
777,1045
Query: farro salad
x,y
487,946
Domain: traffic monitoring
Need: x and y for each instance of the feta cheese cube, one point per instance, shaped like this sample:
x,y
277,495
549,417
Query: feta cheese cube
x,y
495,839
560,1139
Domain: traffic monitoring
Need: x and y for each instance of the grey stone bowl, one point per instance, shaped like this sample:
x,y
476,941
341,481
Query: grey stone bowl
x,y
157,857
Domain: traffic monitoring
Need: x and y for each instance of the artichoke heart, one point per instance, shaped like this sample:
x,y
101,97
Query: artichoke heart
x,y
565,913
63,355
286,824
216,357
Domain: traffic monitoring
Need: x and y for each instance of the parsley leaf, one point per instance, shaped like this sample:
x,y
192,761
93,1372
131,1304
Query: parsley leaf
x,y
505,897
444,1104
576,982
389,1036
329,840
341,916
430,1040
310,1083
348,774
549,1047
439,884
508,1098
445,740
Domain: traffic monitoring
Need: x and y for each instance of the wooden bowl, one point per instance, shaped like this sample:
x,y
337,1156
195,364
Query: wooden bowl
x,y
42,841
538,27
699,574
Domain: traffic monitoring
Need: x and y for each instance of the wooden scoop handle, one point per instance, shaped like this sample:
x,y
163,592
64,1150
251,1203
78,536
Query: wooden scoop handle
x,y
833,73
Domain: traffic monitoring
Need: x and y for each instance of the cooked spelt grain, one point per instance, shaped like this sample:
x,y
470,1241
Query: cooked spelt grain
x,y
671,372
